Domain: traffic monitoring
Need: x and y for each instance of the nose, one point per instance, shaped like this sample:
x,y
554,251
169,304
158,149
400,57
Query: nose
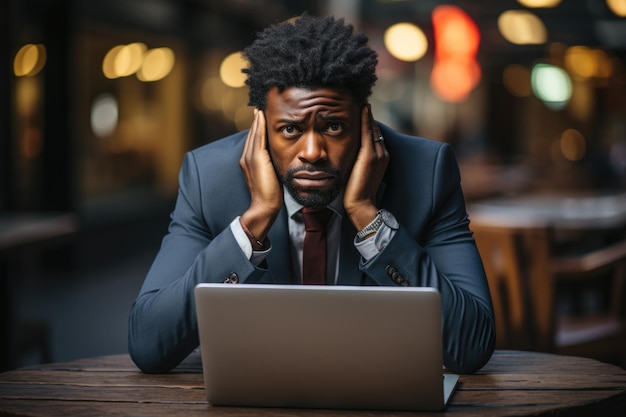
x,y
313,147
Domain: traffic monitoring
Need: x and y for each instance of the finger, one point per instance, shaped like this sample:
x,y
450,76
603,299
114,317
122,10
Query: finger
x,y
377,136
251,134
261,132
367,136
374,127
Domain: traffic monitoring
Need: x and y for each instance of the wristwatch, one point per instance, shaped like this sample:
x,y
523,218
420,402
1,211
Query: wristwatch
x,y
382,216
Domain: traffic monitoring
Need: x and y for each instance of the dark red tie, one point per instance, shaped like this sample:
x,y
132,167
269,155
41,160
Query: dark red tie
x,y
314,250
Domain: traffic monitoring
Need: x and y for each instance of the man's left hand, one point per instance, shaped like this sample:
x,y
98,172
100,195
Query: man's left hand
x,y
367,173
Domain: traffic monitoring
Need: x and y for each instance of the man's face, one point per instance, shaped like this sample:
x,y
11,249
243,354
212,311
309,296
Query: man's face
x,y
314,138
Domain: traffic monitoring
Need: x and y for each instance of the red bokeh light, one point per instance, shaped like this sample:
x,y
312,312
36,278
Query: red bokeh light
x,y
457,39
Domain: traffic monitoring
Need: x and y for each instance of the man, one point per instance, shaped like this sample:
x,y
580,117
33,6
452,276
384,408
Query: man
x,y
398,213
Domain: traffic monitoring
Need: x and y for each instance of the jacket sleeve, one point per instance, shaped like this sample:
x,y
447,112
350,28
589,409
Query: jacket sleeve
x,y
162,320
444,256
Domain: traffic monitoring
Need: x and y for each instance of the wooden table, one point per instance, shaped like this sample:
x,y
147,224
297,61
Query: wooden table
x,y
584,211
23,230
513,383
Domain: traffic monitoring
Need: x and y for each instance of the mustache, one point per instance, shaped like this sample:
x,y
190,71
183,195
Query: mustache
x,y
335,172
313,197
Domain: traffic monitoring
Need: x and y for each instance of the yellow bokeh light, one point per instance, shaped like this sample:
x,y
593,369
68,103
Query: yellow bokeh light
x,y
581,61
28,92
573,145
539,3
617,6
135,58
157,64
29,60
522,27
586,62
230,70
406,42
129,58
108,63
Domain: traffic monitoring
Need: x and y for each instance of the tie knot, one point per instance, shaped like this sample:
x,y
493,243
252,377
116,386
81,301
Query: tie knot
x,y
316,219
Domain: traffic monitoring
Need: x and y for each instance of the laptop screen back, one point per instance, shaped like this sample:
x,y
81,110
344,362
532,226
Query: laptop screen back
x,y
321,346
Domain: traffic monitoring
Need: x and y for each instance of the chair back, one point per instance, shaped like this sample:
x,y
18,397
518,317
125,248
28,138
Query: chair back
x,y
517,265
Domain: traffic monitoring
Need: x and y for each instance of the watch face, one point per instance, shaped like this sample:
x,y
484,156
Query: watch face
x,y
389,220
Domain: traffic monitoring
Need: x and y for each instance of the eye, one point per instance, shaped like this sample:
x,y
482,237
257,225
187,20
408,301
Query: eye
x,y
290,131
334,128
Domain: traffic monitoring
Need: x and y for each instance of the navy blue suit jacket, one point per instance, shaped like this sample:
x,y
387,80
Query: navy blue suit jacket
x,y
433,247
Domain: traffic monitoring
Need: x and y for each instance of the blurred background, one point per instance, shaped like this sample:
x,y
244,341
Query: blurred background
x,y
100,100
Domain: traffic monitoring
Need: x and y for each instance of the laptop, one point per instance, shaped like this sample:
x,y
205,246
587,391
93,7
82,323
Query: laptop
x,y
333,347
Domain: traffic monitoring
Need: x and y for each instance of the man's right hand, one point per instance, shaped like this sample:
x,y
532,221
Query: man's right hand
x,y
266,192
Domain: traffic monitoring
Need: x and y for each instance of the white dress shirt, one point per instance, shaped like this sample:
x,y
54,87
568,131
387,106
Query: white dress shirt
x,y
368,248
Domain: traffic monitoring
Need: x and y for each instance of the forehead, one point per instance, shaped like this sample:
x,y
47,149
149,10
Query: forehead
x,y
298,100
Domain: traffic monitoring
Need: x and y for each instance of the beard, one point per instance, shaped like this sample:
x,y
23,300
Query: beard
x,y
312,197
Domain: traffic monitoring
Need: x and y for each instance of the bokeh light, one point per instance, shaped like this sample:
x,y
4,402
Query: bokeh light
x,y
230,70
454,80
406,42
455,71
135,58
617,6
522,27
104,115
573,145
539,3
28,96
129,59
157,64
108,63
456,33
551,85
29,60
585,62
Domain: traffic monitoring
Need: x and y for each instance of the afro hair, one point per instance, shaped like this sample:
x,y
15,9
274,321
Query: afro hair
x,y
310,52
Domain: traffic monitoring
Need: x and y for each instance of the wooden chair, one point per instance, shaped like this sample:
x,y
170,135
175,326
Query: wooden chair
x,y
601,335
526,280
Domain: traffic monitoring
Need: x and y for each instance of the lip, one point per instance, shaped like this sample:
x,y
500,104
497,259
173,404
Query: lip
x,y
312,175
313,179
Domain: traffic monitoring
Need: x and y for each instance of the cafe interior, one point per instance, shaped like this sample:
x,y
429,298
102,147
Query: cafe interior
x,y
101,99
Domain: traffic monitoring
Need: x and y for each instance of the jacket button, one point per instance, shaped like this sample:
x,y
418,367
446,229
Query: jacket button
x,y
396,276
390,270
233,278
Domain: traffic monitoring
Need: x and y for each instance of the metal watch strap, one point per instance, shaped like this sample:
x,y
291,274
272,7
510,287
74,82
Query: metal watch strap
x,y
372,227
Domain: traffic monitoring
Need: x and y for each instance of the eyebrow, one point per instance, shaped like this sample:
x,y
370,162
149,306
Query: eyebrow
x,y
291,121
331,116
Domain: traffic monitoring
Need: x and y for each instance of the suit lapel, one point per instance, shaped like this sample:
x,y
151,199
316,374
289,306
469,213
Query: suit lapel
x,y
279,258
349,257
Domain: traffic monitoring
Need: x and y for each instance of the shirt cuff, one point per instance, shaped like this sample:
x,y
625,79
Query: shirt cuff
x,y
372,246
255,256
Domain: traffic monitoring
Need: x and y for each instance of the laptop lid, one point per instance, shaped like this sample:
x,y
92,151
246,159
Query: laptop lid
x,y
322,347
